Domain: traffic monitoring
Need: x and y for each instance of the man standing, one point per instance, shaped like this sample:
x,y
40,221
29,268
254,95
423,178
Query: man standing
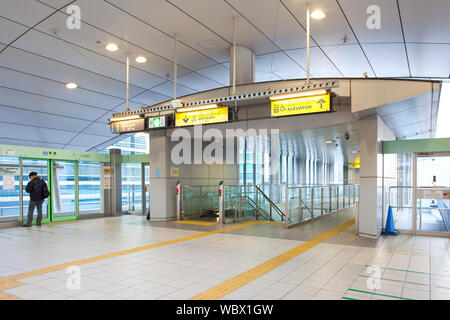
x,y
38,190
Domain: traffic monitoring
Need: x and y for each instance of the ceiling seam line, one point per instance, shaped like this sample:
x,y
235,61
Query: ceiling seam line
x,y
54,98
107,32
59,82
28,140
36,24
87,49
199,22
163,32
76,67
47,128
359,43
317,45
101,117
264,35
404,40
46,113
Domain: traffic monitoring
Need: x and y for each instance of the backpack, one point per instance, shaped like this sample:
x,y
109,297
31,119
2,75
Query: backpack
x,y
45,192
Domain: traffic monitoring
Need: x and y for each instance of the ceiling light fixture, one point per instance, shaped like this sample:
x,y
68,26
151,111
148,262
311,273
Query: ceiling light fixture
x,y
317,14
112,47
71,85
299,94
329,141
197,108
125,118
141,59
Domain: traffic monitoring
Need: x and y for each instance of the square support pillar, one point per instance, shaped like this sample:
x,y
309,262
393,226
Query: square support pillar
x,y
161,202
370,218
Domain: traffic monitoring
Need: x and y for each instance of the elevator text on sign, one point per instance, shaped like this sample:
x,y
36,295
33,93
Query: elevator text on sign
x,y
303,105
191,118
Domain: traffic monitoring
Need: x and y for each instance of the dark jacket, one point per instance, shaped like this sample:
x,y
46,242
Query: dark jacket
x,y
36,189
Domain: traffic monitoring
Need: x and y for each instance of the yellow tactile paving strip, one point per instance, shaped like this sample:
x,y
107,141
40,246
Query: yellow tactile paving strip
x,y
235,283
11,281
197,223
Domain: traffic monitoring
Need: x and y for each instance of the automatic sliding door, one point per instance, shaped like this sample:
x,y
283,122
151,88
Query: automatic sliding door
x,y
64,191
433,194
41,168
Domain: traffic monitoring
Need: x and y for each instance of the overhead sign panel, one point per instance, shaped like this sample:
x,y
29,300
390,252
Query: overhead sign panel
x,y
157,122
191,118
301,105
128,126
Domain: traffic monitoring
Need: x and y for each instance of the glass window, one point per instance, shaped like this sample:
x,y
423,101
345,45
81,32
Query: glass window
x,y
135,144
9,194
131,187
89,187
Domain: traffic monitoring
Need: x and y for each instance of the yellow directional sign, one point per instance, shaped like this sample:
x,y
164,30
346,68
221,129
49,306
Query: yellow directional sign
x,y
191,118
302,105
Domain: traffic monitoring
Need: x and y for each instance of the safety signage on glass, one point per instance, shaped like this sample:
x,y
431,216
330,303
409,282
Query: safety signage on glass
x,y
301,105
191,118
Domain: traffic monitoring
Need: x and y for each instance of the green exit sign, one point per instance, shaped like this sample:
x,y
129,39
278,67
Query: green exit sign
x,y
157,122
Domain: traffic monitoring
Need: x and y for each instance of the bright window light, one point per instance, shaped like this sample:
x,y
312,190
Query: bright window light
x,y
443,129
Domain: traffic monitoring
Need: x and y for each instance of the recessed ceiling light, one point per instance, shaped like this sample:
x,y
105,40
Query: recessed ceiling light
x,y
317,14
71,85
141,59
111,47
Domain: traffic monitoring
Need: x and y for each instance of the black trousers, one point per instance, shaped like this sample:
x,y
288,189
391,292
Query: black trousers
x,y
31,206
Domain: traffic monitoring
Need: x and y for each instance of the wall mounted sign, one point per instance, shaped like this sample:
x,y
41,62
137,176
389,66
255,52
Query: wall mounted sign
x,y
174,172
8,183
302,105
11,171
191,118
9,152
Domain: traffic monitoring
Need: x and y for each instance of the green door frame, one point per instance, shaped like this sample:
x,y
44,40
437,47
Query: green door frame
x,y
49,199
75,216
51,217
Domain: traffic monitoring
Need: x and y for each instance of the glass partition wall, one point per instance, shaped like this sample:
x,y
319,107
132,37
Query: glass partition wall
x,y
75,188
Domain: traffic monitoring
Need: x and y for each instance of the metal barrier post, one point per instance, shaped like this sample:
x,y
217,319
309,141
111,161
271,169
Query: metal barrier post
x,y
287,212
221,204
312,202
300,206
330,199
337,198
321,201
178,193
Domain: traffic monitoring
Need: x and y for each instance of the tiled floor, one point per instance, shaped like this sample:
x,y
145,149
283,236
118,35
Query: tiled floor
x,y
342,267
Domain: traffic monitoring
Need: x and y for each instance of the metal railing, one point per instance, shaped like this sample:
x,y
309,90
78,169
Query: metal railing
x,y
249,203
303,203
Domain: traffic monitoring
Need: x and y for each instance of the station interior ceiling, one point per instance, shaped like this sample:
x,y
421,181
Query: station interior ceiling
x,y
39,54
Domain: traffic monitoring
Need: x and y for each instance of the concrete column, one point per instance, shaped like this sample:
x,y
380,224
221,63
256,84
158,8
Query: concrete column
x,y
245,65
371,175
116,182
160,196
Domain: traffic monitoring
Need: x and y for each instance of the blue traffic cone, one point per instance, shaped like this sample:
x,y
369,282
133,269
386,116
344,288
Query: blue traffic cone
x,y
390,228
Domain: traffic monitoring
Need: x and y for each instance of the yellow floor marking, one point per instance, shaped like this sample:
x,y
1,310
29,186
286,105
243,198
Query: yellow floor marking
x,y
270,223
235,283
60,222
198,223
123,252
7,296
6,283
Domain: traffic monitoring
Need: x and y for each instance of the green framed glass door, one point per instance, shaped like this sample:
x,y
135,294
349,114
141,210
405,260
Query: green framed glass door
x,y
42,168
64,181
